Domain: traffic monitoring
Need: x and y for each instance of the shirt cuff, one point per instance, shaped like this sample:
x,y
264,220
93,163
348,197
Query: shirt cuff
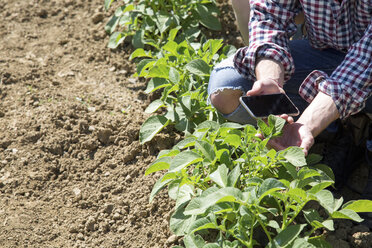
x,y
348,99
246,58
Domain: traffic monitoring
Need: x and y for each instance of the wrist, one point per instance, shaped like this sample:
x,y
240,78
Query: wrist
x,y
276,81
270,69
319,114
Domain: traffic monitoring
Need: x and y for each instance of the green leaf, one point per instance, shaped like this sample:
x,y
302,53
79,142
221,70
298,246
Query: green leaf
x,y
319,242
159,71
111,24
319,186
179,223
171,46
313,159
295,156
312,215
173,189
276,124
159,185
139,52
329,224
201,204
206,149
190,141
193,241
287,236
173,33
174,75
144,64
214,46
159,164
359,206
202,224
220,176
326,200
346,214
233,176
184,159
207,19
301,243
163,22
108,3
198,67
211,245
265,129
167,153
207,125
155,84
116,39
232,125
297,194
151,127
138,39
269,186
155,105
233,140
184,194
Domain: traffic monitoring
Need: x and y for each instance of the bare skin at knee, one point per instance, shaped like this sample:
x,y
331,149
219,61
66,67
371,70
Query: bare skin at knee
x,y
226,101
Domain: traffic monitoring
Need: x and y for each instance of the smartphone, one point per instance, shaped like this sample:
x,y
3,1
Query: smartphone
x,y
264,105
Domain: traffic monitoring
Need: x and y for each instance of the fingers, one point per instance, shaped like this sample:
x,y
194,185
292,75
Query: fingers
x,y
276,145
256,90
288,118
259,135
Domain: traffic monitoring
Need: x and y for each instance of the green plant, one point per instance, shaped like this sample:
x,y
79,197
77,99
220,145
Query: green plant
x,y
226,182
149,21
180,71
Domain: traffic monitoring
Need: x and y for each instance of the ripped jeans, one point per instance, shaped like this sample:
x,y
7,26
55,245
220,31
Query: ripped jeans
x,y
306,59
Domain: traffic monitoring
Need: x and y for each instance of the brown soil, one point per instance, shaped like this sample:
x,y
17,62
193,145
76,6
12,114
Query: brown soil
x,y
71,166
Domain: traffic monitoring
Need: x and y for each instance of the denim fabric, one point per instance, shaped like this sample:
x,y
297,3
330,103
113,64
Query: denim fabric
x,y
306,59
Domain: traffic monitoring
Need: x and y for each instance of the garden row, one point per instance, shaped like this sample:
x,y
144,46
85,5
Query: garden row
x,y
230,190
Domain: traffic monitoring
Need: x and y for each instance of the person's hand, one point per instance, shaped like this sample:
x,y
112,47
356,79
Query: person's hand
x,y
294,134
264,87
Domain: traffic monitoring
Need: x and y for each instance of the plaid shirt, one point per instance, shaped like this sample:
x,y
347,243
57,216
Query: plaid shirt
x,y
346,27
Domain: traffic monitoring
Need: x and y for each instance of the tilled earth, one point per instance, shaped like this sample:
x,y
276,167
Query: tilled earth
x,y
71,166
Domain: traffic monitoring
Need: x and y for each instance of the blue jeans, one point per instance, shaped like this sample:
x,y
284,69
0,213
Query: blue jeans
x,y
306,59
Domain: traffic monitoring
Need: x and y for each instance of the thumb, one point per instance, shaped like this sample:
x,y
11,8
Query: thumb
x,y
256,90
306,144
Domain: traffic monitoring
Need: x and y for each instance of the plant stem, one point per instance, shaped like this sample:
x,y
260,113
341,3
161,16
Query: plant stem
x,y
264,228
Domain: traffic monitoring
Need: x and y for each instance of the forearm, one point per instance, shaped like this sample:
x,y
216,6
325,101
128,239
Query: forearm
x,y
268,68
319,114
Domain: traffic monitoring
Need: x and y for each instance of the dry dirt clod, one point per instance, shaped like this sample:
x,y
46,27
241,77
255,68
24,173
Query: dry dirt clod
x,y
172,239
98,17
103,135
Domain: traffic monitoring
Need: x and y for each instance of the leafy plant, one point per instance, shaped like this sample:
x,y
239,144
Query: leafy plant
x,y
226,181
149,21
180,71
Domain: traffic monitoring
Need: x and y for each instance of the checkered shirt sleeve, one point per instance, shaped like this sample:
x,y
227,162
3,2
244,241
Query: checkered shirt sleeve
x,y
350,85
271,25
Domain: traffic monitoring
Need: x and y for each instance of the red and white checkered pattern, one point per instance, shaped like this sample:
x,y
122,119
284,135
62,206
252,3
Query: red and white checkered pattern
x,y
346,27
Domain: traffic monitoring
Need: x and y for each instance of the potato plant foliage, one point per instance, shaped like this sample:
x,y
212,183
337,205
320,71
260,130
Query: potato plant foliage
x,y
149,21
226,181
180,71
230,189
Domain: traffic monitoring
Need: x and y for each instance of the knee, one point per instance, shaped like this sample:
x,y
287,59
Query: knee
x,y
226,101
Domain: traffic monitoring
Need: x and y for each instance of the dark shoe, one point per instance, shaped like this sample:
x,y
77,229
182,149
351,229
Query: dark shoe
x,y
342,155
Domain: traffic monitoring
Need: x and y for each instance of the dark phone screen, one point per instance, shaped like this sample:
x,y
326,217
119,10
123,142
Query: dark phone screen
x,y
265,105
